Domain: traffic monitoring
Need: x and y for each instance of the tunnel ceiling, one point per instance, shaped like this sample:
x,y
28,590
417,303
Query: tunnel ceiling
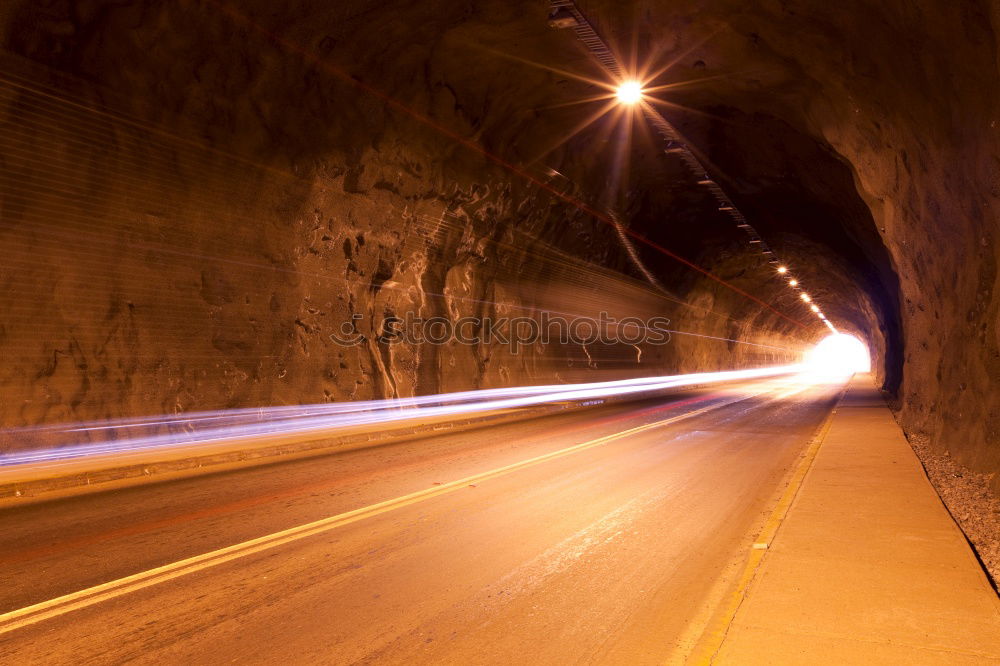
x,y
859,138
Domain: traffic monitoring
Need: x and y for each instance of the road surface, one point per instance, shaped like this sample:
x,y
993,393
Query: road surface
x,y
603,535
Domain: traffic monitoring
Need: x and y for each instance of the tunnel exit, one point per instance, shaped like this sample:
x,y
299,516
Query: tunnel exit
x,y
838,354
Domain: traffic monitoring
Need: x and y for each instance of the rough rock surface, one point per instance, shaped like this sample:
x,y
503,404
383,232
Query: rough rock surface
x,y
196,194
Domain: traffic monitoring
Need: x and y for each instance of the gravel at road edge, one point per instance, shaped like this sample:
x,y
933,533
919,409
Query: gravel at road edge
x,y
969,499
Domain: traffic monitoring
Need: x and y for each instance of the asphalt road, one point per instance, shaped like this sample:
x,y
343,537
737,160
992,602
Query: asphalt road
x,y
604,535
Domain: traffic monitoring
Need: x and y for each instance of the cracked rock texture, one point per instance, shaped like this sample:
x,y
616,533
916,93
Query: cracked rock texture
x,y
196,195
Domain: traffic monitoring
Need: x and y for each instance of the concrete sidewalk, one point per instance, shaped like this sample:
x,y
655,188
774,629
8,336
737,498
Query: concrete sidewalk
x,y
867,566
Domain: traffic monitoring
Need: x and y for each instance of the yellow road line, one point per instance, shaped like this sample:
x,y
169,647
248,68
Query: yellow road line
x,y
28,615
714,634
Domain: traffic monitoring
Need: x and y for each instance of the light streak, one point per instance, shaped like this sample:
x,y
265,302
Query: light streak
x,y
325,420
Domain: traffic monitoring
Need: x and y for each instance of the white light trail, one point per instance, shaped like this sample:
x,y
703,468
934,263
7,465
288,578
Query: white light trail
x,y
185,430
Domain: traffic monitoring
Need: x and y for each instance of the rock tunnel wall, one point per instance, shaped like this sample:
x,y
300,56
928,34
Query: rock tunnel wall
x,y
176,239
914,111
195,195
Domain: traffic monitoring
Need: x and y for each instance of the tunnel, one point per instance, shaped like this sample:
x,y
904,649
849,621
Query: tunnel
x,y
220,210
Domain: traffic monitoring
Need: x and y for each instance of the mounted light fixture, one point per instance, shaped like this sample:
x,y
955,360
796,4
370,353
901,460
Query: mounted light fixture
x,y
814,308
806,298
629,92
782,269
562,18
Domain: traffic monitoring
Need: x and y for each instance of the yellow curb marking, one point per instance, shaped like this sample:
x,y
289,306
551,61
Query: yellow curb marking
x,y
715,632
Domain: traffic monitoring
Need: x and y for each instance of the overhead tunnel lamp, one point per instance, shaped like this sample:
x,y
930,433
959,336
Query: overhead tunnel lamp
x,y
782,269
806,298
814,308
629,92
793,282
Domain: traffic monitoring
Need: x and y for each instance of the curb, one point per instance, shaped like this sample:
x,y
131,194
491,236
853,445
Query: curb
x,y
715,631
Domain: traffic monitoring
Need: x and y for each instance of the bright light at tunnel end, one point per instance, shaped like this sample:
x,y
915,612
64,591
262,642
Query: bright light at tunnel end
x,y
629,92
837,356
